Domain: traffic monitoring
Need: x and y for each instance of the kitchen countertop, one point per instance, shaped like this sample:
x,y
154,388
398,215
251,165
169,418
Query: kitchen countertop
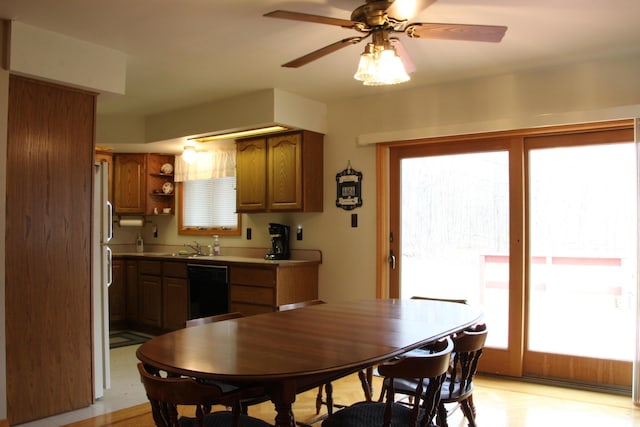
x,y
209,259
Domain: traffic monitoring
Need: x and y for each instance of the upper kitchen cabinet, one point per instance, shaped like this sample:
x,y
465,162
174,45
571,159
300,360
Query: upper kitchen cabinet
x,y
281,172
143,184
129,184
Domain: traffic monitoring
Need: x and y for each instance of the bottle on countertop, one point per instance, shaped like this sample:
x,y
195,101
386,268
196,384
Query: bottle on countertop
x,y
216,246
139,244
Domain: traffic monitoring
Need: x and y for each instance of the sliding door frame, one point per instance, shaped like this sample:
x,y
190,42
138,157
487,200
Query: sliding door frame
x,y
504,362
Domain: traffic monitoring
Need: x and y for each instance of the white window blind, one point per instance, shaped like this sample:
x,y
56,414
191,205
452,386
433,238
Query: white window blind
x,y
210,203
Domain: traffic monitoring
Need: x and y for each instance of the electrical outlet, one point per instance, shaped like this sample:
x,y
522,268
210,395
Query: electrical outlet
x,y
299,233
248,233
354,220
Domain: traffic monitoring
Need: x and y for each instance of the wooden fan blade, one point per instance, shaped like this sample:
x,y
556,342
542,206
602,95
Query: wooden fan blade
x,y
478,33
303,60
297,16
407,9
409,66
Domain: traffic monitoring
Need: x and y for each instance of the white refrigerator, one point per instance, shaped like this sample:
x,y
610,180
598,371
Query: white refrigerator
x,y
102,277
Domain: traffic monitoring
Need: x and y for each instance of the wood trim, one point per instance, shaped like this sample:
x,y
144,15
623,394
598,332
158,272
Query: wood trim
x,y
517,244
579,369
525,132
382,221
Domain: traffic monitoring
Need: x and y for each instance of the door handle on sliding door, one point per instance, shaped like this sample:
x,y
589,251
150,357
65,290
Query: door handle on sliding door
x,y
392,260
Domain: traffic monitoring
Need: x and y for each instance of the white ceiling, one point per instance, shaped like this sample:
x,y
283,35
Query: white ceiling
x,y
185,52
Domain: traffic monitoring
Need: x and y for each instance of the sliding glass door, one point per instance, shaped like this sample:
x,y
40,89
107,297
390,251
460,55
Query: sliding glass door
x,y
455,232
539,230
582,258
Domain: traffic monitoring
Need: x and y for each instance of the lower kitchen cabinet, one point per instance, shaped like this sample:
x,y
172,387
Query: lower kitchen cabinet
x,y
261,289
117,296
175,295
150,293
156,295
131,277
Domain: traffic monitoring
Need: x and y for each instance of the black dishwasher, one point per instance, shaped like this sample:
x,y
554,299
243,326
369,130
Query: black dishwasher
x,y
208,290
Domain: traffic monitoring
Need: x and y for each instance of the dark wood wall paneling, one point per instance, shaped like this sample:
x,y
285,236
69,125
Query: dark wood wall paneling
x,y
48,259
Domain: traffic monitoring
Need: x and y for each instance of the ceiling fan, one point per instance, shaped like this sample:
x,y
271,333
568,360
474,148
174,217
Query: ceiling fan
x,y
381,19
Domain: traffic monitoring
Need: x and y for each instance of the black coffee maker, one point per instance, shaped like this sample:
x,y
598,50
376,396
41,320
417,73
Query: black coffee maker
x,y
279,241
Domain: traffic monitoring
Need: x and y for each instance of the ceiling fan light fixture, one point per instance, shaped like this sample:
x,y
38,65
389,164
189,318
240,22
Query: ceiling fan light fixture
x,y
380,65
366,66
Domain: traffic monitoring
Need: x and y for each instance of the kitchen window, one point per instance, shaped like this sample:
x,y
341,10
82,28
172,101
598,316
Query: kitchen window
x,y
208,206
207,193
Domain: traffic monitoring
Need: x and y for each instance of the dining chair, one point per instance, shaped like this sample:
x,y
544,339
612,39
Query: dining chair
x,y
166,393
458,386
428,371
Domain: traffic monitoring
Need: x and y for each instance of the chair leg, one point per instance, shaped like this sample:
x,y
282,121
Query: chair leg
x,y
328,387
366,378
471,405
469,411
319,399
441,416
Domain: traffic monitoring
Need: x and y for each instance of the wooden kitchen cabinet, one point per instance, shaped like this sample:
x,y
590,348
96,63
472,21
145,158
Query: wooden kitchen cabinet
x,y
139,182
150,293
261,289
157,290
131,276
129,184
251,175
175,295
281,172
117,296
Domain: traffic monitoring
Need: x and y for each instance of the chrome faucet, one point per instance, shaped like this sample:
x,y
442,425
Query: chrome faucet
x,y
196,248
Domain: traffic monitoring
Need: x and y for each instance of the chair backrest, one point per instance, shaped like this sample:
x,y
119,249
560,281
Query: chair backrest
x,y
430,370
166,393
459,301
211,319
293,306
467,348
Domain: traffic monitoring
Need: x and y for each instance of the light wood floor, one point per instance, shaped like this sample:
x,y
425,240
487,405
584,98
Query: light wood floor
x,y
499,403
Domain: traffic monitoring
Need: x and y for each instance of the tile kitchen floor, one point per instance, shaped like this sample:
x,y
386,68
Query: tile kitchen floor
x,y
126,391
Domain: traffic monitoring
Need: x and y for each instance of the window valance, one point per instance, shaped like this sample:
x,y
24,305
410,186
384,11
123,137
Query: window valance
x,y
214,163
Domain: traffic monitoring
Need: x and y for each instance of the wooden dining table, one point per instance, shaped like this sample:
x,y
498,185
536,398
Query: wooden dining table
x,y
290,352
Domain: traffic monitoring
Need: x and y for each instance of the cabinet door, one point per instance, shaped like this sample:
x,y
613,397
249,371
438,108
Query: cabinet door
x,y
175,303
284,172
117,310
131,274
129,183
251,161
150,291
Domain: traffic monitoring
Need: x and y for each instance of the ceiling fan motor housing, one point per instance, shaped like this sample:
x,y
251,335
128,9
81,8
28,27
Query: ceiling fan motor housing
x,y
373,13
